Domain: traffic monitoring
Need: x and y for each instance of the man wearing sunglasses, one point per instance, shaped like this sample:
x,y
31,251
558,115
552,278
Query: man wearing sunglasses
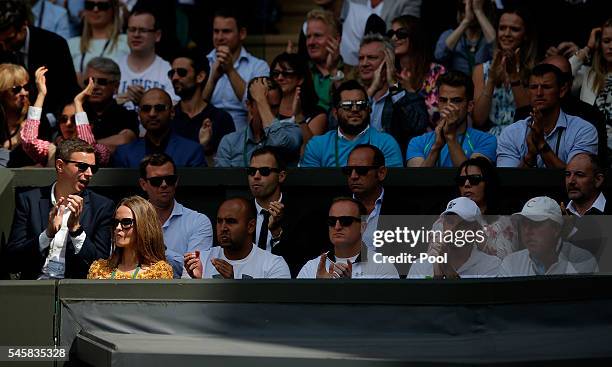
x,y
352,110
285,227
33,47
453,141
350,257
264,128
142,69
155,115
59,230
185,230
194,117
112,124
236,257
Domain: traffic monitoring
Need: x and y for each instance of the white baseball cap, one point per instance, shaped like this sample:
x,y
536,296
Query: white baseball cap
x,y
466,209
540,209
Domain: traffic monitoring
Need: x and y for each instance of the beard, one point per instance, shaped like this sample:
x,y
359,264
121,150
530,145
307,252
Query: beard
x,y
187,92
350,129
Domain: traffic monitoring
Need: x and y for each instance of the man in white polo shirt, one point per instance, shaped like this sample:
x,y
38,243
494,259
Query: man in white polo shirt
x,y
462,258
350,257
540,226
236,257
584,179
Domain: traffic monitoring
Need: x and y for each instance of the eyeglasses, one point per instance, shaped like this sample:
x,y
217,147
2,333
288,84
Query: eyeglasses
x,y
65,118
125,222
400,33
102,5
361,170
361,105
18,88
454,100
284,73
472,179
158,108
103,82
157,181
344,220
140,30
264,171
182,72
82,166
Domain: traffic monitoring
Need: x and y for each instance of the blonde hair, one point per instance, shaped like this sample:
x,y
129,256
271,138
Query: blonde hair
x,y
11,75
149,244
599,70
326,17
114,36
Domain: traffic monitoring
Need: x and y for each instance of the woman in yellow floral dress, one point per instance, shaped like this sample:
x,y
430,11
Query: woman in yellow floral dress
x,y
138,245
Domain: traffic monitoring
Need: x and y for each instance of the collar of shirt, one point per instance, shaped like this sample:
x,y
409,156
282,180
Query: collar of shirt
x,y
599,204
538,267
363,254
177,211
244,55
260,208
377,204
161,148
250,136
341,135
561,123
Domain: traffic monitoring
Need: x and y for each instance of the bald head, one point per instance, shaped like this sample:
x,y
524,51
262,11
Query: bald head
x,y
157,94
559,61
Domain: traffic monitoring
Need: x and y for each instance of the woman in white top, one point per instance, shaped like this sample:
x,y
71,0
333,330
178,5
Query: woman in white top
x,y
101,36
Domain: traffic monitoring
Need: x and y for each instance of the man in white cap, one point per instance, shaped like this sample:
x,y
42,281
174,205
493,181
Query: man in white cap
x,y
463,230
540,226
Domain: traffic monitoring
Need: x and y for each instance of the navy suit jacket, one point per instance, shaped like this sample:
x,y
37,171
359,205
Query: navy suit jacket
x,y
22,252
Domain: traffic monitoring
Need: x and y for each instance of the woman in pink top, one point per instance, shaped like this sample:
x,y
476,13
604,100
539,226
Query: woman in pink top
x,y
73,123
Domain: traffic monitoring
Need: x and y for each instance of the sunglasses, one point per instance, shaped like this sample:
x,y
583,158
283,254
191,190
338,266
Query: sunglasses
x,y
18,88
125,222
285,73
264,171
82,166
158,108
361,170
157,181
361,105
65,118
472,179
344,220
103,82
102,5
401,33
182,72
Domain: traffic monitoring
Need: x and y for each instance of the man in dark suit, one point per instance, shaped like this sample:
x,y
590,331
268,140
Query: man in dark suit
x,y
296,232
34,47
59,230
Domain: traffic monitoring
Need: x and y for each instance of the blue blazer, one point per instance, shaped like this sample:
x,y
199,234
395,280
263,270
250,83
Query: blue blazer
x,y
22,252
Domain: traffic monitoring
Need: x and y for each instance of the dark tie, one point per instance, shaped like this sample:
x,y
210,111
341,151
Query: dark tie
x,y
263,232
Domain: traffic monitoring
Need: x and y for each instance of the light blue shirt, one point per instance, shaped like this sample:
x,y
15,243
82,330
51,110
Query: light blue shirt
x,y
573,134
378,107
53,18
235,148
248,67
332,148
185,231
372,222
473,141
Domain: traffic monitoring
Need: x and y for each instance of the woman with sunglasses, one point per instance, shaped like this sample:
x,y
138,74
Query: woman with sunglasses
x,y
102,24
299,100
499,85
471,43
416,71
72,123
138,250
477,180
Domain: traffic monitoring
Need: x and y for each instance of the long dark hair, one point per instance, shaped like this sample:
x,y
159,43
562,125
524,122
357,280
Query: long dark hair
x,y
420,54
308,96
491,179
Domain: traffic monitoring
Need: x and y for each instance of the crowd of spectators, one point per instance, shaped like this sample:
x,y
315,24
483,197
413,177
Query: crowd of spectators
x,y
110,83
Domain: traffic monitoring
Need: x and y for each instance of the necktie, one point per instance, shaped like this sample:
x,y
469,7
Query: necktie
x,y
263,232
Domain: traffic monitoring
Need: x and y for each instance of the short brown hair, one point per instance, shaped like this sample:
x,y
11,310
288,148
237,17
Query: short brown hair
x,y
155,159
66,147
360,207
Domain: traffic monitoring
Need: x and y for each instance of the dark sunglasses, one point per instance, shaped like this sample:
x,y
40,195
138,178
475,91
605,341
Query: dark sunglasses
x,y
18,88
64,119
361,170
125,222
401,33
103,82
285,73
264,171
182,72
82,166
361,105
472,179
158,108
344,220
102,5
157,181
